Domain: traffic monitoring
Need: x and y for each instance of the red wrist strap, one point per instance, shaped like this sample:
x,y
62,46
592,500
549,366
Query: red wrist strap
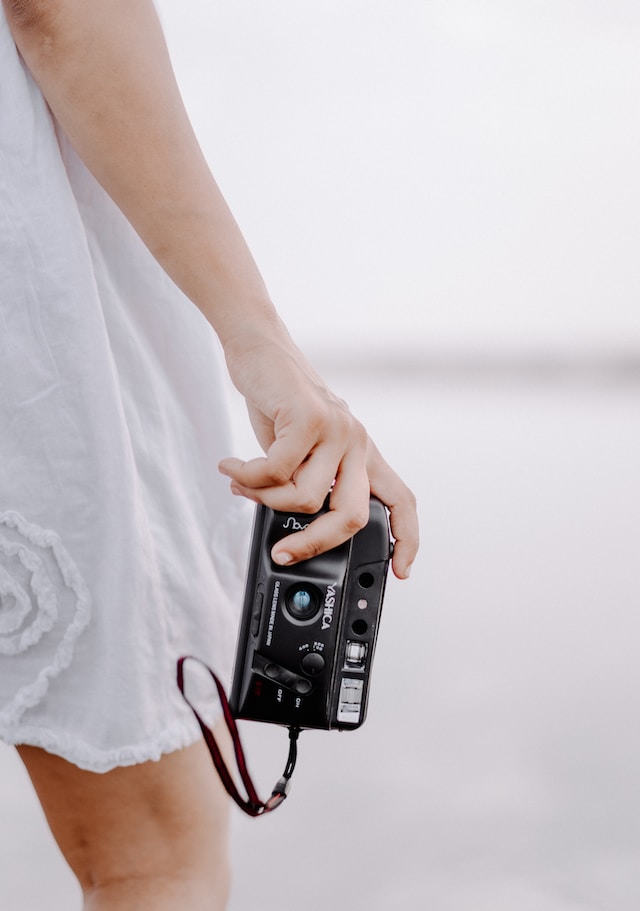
x,y
251,804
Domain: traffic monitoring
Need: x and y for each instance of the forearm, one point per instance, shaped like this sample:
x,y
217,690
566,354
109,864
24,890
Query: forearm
x,y
105,71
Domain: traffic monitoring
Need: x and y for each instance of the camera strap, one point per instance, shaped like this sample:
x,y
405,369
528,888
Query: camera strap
x,y
251,804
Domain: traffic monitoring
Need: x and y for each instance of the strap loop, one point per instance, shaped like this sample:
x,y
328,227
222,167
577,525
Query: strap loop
x,y
251,804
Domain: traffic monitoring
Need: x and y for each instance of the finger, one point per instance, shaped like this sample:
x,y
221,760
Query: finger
x,y
249,475
262,427
307,490
277,468
403,517
299,468
404,528
348,513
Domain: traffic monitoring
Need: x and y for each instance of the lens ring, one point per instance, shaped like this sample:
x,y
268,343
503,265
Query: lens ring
x,y
303,602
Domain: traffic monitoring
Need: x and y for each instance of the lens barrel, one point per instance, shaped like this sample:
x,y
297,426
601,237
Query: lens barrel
x,y
303,602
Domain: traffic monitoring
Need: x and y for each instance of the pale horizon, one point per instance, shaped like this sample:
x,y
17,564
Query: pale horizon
x,y
444,173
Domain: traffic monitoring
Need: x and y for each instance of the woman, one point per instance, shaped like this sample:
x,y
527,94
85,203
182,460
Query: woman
x,y
116,540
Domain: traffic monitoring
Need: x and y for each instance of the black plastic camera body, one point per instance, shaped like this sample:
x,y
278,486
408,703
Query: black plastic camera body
x,y
308,632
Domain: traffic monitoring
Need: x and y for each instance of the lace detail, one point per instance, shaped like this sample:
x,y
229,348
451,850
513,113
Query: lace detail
x,y
177,736
38,588
42,594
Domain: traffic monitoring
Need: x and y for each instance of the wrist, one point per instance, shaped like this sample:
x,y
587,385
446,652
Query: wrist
x,y
251,327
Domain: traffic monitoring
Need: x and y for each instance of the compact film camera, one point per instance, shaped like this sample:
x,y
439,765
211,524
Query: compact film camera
x,y
308,632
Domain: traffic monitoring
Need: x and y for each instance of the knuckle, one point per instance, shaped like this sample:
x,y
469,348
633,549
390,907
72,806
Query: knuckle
x,y
355,522
410,498
360,432
343,420
313,548
311,503
405,499
355,431
279,476
337,421
316,419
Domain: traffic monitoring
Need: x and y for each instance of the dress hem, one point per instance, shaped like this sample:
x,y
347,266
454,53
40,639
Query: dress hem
x,y
92,759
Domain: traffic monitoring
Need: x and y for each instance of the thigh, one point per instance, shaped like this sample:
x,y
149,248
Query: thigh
x,y
157,819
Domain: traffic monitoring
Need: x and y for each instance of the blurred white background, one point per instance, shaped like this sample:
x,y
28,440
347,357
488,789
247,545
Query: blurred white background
x,y
451,172
444,200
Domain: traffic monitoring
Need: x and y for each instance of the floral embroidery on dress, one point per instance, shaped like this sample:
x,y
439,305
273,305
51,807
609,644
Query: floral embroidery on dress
x,y
42,595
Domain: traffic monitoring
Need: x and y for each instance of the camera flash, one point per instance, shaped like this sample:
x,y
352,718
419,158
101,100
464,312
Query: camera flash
x,y
363,604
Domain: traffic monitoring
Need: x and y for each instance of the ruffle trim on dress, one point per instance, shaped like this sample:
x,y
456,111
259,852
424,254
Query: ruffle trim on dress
x,y
92,759
31,604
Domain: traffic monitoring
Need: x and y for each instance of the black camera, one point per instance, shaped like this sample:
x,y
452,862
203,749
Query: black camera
x,y
308,632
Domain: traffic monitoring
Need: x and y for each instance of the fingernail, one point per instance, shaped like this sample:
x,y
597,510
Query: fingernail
x,y
282,559
407,571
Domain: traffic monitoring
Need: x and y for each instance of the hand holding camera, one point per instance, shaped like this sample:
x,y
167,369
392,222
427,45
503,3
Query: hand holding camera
x,y
306,644
310,440
309,631
317,571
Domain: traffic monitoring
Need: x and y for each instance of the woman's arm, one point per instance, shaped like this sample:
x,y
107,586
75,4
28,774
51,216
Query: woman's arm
x,y
105,71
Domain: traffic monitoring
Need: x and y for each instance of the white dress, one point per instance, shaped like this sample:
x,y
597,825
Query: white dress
x,y
121,547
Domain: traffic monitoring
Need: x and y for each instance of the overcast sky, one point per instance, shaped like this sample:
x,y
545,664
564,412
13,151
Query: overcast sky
x,y
441,172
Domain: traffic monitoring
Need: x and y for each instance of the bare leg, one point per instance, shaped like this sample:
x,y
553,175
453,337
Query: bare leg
x,y
150,837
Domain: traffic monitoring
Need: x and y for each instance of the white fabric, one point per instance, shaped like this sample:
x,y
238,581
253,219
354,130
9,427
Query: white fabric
x,y
120,545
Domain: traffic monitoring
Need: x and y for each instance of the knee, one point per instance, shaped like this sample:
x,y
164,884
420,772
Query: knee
x,y
148,863
151,827
162,892
147,870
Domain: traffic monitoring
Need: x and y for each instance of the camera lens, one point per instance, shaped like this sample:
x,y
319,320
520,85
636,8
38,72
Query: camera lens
x,y
303,601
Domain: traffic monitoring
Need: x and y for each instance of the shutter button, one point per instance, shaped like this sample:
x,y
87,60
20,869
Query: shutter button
x,y
313,663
